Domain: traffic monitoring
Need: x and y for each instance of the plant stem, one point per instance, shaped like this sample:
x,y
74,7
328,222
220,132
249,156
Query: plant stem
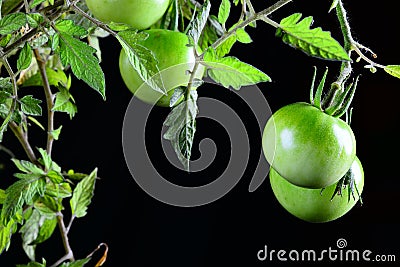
x,y
49,100
346,68
262,15
23,139
69,255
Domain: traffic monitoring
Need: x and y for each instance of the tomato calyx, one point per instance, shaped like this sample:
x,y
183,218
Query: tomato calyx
x,y
337,102
347,182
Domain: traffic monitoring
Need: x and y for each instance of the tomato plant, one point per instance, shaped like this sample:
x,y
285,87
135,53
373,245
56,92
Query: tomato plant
x,y
140,14
46,46
320,205
174,58
307,146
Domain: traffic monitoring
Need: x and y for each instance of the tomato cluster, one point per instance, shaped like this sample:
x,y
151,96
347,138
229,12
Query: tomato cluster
x,y
313,160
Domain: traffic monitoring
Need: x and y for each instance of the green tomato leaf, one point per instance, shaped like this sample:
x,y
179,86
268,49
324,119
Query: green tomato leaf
x,y
31,106
29,232
6,231
231,72
27,167
141,58
83,194
48,206
181,123
65,102
69,27
225,47
55,77
56,133
314,42
46,230
84,64
242,36
62,190
197,25
393,70
12,22
224,10
19,193
25,57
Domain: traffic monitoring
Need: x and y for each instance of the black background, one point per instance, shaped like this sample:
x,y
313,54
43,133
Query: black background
x,y
141,231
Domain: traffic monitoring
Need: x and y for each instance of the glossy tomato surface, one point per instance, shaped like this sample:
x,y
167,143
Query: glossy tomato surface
x,y
308,147
140,14
314,205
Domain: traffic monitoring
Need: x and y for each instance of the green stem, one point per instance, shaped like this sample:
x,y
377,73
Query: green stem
x,y
49,100
346,67
262,15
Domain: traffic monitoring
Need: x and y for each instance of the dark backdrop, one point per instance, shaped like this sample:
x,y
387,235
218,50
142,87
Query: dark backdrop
x,y
141,231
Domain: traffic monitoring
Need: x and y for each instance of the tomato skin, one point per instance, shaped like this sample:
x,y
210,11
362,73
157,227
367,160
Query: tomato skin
x,y
312,205
174,59
139,14
307,146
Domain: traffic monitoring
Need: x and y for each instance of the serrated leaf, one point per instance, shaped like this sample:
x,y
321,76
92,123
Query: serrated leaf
x,y
84,64
82,195
224,10
27,166
69,27
25,57
31,106
231,72
19,193
55,77
34,19
197,25
181,123
141,58
62,190
314,42
393,70
12,22
48,206
177,95
6,231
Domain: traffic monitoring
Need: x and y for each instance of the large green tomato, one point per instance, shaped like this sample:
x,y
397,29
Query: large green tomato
x,y
174,57
139,14
308,147
314,205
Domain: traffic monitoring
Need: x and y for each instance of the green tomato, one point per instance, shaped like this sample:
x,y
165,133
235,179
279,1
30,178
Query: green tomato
x,y
314,205
139,14
307,146
174,57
